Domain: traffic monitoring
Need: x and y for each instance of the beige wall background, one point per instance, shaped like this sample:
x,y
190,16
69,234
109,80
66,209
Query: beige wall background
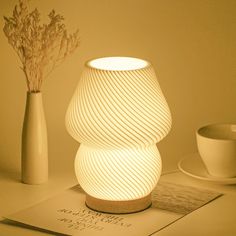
x,y
191,44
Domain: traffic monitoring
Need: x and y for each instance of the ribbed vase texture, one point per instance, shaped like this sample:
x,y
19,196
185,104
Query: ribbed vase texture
x,y
118,117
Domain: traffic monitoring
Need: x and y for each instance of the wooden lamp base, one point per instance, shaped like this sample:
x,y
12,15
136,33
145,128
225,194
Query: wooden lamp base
x,y
118,207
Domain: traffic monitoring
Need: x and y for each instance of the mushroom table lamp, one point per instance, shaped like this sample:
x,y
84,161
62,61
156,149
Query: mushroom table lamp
x,y
118,113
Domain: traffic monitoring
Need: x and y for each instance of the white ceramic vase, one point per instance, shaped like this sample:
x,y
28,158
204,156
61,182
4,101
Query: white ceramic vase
x,y
34,152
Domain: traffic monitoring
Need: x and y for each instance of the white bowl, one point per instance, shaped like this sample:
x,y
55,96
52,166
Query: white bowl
x,y
217,148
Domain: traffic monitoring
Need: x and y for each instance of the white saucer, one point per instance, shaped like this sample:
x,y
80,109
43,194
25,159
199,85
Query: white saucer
x,y
193,166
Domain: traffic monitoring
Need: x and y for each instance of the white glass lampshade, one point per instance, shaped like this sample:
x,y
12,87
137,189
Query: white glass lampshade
x,y
118,113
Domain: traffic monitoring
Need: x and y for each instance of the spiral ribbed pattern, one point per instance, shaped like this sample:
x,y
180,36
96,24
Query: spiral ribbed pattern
x,y
132,173
118,116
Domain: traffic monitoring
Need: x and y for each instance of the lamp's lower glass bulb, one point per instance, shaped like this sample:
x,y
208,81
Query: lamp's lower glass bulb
x,y
118,180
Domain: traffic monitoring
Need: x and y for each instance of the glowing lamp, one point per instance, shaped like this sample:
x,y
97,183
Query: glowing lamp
x,y
118,113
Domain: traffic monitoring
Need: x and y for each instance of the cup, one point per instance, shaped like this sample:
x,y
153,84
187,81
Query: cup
x,y
217,148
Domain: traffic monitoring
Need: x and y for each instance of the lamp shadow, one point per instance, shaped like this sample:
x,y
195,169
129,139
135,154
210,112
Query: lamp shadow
x,y
77,189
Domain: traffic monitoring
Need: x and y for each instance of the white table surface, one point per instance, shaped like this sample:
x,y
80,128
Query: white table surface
x,y
217,218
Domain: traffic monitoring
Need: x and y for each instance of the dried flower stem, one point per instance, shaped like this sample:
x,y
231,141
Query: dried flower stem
x,y
40,48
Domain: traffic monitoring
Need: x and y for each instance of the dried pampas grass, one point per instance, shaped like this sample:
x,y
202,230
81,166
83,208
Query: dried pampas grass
x,y
40,47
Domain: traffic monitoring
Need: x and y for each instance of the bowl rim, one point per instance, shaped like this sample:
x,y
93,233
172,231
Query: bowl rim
x,y
215,125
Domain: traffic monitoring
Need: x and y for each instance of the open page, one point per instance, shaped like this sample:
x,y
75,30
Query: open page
x,y
67,214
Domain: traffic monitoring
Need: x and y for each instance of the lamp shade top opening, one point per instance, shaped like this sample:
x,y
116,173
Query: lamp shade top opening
x,y
117,63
